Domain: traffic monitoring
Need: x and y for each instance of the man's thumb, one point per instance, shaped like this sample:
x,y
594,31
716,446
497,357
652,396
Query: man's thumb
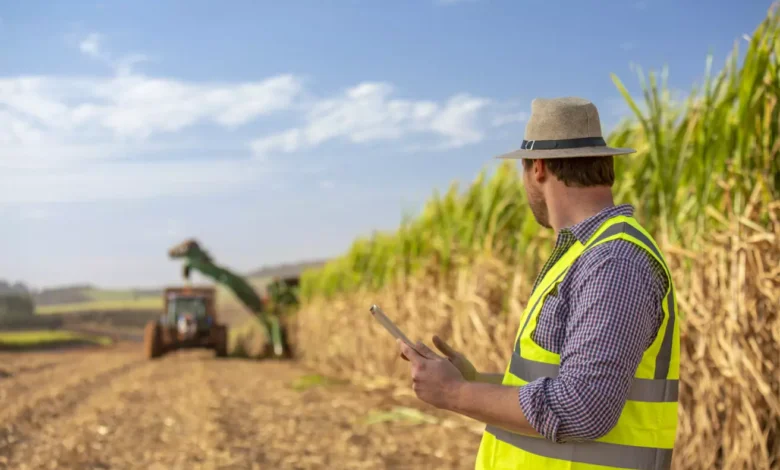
x,y
444,347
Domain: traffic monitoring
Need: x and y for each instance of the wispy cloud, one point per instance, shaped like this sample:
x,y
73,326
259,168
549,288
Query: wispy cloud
x,y
139,106
91,45
65,138
48,120
510,118
367,112
86,138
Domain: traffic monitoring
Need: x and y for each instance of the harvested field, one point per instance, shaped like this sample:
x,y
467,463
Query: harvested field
x,y
48,339
112,409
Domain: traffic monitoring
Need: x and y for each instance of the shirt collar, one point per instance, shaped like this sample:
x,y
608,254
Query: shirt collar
x,y
582,231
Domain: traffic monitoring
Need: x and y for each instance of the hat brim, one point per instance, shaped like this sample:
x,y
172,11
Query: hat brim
x,y
566,153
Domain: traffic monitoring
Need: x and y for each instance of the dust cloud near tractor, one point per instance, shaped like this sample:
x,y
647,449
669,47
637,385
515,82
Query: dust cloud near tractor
x,y
188,320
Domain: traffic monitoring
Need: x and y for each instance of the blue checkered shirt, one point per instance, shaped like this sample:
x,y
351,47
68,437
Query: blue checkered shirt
x,y
605,313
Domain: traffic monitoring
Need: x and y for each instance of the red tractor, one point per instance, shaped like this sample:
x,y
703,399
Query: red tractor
x,y
189,321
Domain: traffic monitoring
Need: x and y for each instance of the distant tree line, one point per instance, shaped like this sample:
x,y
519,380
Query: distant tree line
x,y
15,300
16,288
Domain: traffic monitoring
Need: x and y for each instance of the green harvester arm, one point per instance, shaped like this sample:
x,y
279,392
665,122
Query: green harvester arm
x,y
195,258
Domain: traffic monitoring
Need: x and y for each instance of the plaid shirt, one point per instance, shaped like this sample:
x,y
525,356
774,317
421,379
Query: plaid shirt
x,y
605,313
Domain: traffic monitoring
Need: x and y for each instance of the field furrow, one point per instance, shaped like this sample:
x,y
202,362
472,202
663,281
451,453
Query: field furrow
x,y
112,409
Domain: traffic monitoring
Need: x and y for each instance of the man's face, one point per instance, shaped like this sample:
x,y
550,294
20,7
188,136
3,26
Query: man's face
x,y
533,191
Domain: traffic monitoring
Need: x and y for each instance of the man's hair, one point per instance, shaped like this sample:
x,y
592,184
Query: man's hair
x,y
579,172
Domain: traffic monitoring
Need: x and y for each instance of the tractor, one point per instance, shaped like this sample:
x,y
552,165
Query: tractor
x,y
188,321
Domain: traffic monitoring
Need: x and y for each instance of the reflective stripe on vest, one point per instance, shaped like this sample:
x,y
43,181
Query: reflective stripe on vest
x,y
594,453
650,390
644,435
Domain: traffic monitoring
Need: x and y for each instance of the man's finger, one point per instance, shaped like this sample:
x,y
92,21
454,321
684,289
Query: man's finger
x,y
426,351
410,353
444,347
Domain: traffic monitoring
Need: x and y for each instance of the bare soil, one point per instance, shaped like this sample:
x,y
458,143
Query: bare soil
x,y
113,409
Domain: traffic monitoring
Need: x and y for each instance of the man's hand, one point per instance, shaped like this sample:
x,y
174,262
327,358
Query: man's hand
x,y
465,367
438,382
435,380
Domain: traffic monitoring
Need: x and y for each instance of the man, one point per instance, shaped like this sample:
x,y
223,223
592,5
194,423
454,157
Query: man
x,y
592,381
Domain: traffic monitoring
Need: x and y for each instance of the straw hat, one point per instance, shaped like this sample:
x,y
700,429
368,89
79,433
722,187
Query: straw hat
x,y
564,128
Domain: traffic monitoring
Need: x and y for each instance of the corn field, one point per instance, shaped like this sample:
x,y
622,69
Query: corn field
x,y
704,181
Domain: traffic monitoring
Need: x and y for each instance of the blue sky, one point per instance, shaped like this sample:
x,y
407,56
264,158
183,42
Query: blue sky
x,y
279,131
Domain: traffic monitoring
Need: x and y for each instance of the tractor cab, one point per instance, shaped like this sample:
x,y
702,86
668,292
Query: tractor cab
x,y
188,320
190,310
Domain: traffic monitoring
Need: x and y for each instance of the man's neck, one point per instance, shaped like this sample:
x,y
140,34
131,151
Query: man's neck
x,y
570,206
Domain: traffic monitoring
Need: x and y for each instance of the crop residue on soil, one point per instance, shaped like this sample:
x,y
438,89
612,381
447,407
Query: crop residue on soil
x,y
113,409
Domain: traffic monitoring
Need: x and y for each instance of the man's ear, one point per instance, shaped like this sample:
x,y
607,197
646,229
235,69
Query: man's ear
x,y
539,170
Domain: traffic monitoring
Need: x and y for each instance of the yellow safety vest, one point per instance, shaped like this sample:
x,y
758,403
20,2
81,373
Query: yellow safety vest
x,y
646,430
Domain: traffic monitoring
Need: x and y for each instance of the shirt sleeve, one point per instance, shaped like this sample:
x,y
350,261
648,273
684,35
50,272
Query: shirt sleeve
x,y
613,317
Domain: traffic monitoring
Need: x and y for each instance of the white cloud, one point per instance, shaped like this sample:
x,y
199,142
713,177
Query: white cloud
x,y
72,139
287,141
50,121
91,45
124,65
367,112
457,121
138,106
87,138
509,118
327,184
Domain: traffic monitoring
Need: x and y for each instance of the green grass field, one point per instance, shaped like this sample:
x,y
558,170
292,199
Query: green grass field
x,y
47,338
142,303
85,300
104,300
111,295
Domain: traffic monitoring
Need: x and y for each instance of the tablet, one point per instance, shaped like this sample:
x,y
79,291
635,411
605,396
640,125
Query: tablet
x,y
390,326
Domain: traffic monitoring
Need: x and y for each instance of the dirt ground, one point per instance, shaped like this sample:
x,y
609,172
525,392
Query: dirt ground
x,y
112,409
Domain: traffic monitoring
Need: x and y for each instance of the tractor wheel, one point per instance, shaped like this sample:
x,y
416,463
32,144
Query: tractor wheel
x,y
220,340
153,340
